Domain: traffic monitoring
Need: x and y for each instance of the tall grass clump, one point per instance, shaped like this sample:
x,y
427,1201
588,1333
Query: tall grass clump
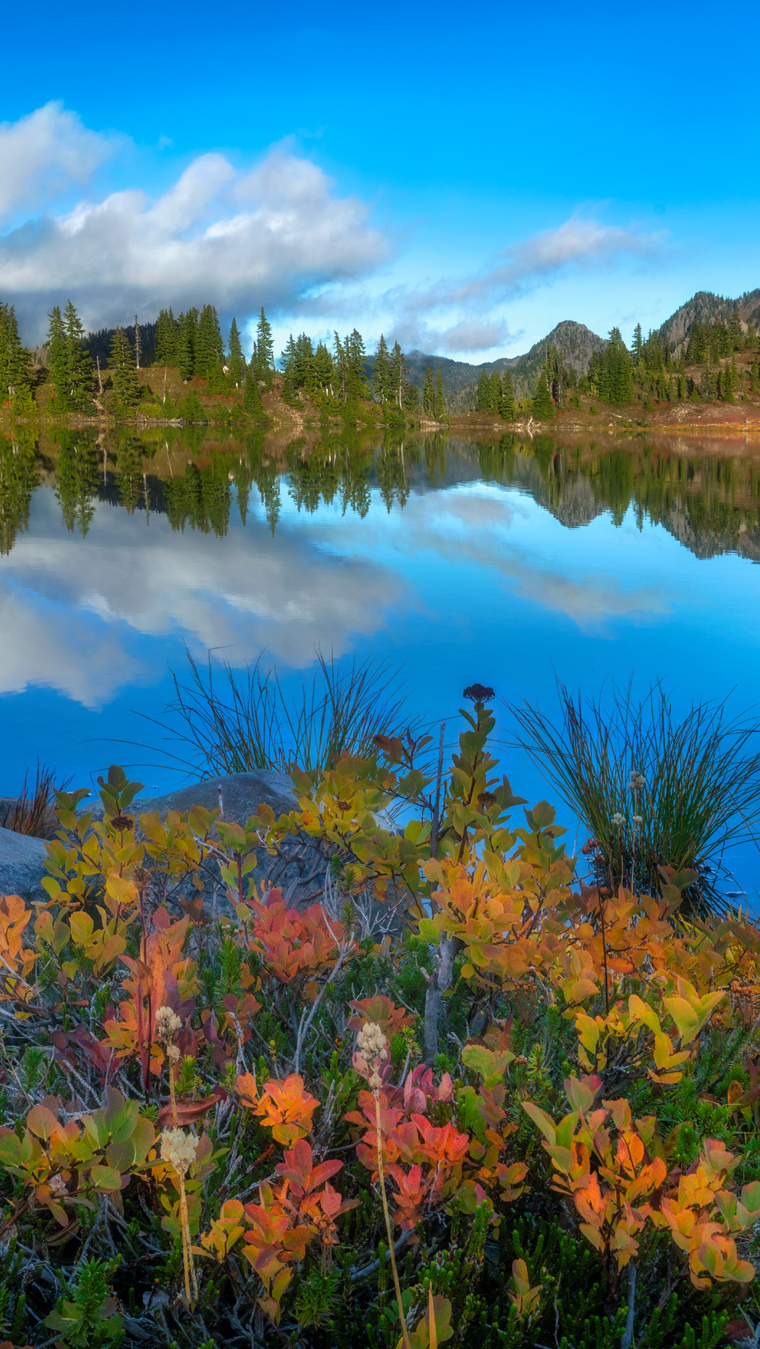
x,y
34,810
655,789
237,721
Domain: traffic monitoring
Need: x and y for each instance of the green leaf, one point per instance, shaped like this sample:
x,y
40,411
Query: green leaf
x,y
428,931
106,1177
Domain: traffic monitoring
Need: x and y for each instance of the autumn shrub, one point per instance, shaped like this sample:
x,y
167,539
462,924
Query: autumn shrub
x,y
516,1112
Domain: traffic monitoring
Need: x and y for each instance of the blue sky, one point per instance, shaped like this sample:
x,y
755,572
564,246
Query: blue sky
x,y
462,179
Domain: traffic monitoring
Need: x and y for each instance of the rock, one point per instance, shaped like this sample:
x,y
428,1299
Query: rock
x,y
299,873
242,794
7,807
22,865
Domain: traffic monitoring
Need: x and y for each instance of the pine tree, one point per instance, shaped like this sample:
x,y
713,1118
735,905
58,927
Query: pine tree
x,y
79,361
357,358
428,393
397,376
265,348
252,396
69,364
209,348
440,397
507,403
237,359
186,336
15,360
616,384
483,393
636,345
167,330
543,406
123,369
381,371
727,383
323,369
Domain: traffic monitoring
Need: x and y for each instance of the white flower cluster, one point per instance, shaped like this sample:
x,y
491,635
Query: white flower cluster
x,y
167,1024
178,1148
637,782
617,820
373,1049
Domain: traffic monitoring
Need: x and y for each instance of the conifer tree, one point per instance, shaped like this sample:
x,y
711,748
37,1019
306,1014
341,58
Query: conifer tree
x,y
15,360
123,369
265,348
79,361
166,338
323,368
397,376
69,364
440,397
543,406
252,396
616,383
484,393
428,393
507,403
209,348
237,359
186,336
636,345
381,371
357,357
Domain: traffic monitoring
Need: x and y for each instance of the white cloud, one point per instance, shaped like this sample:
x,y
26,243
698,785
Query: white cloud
x,y
45,154
235,238
74,612
578,243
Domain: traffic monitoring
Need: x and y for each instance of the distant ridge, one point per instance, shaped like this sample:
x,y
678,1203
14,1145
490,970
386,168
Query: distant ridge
x,y
574,341
705,307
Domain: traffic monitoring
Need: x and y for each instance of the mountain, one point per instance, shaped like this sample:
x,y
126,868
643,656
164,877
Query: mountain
x,y
704,307
574,341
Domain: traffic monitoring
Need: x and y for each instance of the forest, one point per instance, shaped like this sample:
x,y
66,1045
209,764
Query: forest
x,y
100,373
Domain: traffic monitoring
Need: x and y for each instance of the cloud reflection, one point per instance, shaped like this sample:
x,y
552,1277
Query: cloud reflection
x,y
73,611
71,608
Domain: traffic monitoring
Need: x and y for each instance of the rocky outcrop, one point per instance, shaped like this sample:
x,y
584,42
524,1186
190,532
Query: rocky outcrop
x,y
22,865
241,795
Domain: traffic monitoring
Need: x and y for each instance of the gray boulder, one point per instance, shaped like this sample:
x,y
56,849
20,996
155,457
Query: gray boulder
x,y
299,871
22,865
7,807
242,794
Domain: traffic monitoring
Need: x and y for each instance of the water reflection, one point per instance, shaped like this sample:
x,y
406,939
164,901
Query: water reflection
x,y
708,497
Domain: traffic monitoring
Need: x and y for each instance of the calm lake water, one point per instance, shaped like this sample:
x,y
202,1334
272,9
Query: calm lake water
x,y
512,564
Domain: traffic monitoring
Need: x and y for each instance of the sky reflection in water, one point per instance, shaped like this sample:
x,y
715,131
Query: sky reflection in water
x,y
570,564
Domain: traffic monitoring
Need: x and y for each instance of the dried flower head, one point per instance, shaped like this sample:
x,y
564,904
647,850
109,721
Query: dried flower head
x,y
637,820
373,1049
167,1024
617,820
637,782
478,693
178,1148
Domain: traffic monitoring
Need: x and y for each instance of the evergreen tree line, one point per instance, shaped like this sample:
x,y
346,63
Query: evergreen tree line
x,y
652,370
15,360
495,393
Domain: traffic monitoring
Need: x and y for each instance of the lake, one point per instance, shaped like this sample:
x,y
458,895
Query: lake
x,y
512,563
